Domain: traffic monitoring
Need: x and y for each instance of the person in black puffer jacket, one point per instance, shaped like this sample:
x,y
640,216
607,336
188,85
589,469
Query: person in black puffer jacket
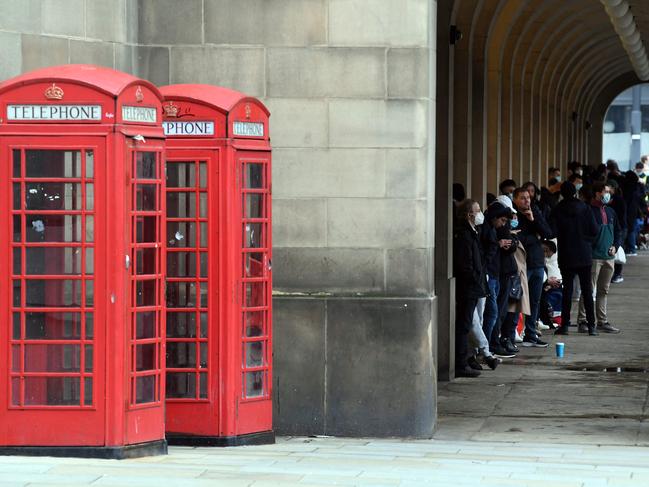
x,y
471,279
575,228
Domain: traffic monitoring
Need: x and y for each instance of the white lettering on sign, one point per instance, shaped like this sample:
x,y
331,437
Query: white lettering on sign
x,y
54,112
197,128
139,114
249,129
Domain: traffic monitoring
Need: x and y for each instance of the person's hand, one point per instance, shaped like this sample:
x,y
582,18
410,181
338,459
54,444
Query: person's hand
x,y
611,250
554,282
528,214
505,243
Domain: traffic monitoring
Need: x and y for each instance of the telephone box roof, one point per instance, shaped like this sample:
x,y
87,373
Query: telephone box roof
x,y
107,80
223,99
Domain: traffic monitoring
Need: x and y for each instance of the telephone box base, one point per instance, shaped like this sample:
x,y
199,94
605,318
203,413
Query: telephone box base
x,y
263,438
148,449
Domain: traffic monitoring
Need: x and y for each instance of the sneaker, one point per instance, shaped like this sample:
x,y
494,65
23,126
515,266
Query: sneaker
x,y
583,327
492,362
467,372
509,346
608,328
518,338
473,363
632,254
617,279
534,342
592,330
542,326
501,352
562,330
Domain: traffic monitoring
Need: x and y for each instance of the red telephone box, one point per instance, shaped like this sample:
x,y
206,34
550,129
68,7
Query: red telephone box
x,y
218,267
82,213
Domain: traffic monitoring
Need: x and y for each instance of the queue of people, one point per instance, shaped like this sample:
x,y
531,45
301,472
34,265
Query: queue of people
x,y
533,251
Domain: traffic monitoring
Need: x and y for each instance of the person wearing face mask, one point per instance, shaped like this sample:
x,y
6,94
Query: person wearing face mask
x,y
507,187
618,205
605,245
639,170
577,180
575,229
471,280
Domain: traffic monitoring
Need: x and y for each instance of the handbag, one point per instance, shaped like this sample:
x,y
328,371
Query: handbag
x,y
516,288
620,256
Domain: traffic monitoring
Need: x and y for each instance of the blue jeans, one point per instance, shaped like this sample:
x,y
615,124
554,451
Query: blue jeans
x,y
535,286
491,307
632,237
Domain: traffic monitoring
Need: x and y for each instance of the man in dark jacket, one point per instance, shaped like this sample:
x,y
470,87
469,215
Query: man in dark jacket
x,y
471,280
605,245
575,228
533,230
618,205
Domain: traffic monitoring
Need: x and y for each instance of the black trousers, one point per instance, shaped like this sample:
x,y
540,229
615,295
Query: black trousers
x,y
568,274
503,304
464,308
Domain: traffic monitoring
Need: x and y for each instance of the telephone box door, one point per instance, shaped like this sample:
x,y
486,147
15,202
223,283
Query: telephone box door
x,y
52,215
192,291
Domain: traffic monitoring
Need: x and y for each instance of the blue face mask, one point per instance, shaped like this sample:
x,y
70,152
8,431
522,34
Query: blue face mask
x,y
514,224
606,198
578,186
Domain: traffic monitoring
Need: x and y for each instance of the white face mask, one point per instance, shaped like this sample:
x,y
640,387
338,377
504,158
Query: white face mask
x,y
479,218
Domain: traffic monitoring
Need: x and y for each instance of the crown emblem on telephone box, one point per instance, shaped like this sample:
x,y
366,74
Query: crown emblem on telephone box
x,y
54,92
171,110
139,96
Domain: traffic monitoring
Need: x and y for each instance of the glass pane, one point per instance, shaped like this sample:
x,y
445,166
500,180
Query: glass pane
x,y
145,325
52,326
17,298
87,394
181,174
146,259
181,234
52,164
203,175
254,323
253,175
181,325
181,205
55,228
203,386
90,293
145,389
17,196
90,229
90,164
90,260
15,391
90,196
53,260
254,384
252,235
17,172
204,323
16,326
145,356
15,358
146,197
52,358
204,295
254,353
146,293
18,226
204,271
17,264
253,264
181,294
204,234
53,196
146,229
52,391
53,293
145,165
255,294
203,355
88,366
181,384
253,205
181,264
181,355
203,202
90,328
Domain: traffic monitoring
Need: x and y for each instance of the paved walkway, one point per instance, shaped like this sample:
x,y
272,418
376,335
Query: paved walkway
x,y
536,421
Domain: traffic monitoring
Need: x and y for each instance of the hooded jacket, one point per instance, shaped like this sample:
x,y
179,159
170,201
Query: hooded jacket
x,y
575,228
468,264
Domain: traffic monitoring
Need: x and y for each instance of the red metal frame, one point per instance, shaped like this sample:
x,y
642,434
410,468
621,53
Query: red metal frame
x,y
238,354
90,400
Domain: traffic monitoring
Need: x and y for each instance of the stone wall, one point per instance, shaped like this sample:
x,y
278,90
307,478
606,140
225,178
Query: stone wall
x,y
350,85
